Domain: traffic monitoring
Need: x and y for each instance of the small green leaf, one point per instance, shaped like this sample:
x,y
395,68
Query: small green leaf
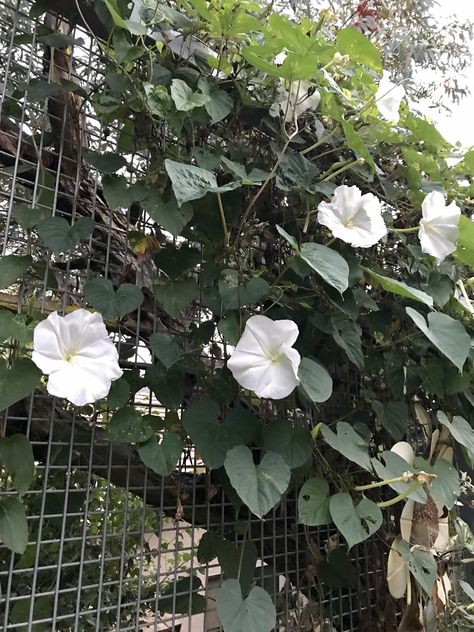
x,y
400,288
461,430
18,381
16,454
112,303
119,393
12,267
13,525
175,296
59,236
328,264
191,183
28,217
13,326
162,456
294,444
260,487
354,141
219,105
352,42
314,380
184,98
348,443
107,162
129,426
289,238
166,348
255,613
313,503
356,523
447,334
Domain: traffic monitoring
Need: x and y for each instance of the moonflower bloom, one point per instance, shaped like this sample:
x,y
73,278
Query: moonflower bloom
x,y
263,360
353,217
77,354
439,227
388,98
296,101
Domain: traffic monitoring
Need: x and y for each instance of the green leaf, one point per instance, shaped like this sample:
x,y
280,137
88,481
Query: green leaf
x,y
13,326
461,430
446,334
13,525
175,296
213,438
18,381
42,609
12,267
219,105
337,571
347,334
175,261
208,547
328,264
465,250
238,562
313,503
294,444
355,142
129,426
181,597
112,303
117,192
27,216
191,183
255,613
445,488
162,456
394,466
184,98
16,454
168,386
169,215
348,443
119,393
235,295
400,288
40,89
259,486
352,42
422,564
166,348
296,173
107,162
59,236
289,238
393,416
356,523
314,380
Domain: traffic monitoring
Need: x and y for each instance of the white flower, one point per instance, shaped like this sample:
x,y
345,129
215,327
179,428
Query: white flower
x,y
353,217
263,360
77,354
296,101
439,227
388,98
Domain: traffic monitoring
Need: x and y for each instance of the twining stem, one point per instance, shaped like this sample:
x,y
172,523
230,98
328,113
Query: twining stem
x,y
388,481
414,229
317,144
393,501
224,223
325,178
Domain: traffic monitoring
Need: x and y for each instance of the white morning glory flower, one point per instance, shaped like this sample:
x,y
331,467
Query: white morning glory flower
x,y
353,217
388,98
77,354
296,101
263,360
439,227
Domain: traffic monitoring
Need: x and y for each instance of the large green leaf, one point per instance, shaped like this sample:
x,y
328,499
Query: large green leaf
x,y
354,141
314,380
128,425
12,267
13,524
445,488
184,98
313,503
465,250
213,438
191,183
328,264
27,216
175,296
255,613
293,443
348,443
421,563
390,465
347,334
337,571
238,562
59,236
13,326
447,334
352,42
219,105
112,303
16,454
18,381
162,456
181,597
259,486
297,173
393,416
400,288
168,214
355,522
107,162
167,348
235,294
461,430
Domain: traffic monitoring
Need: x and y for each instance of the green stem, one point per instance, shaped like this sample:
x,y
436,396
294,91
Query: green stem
x,y
388,481
414,229
315,430
330,242
325,178
224,223
409,490
320,142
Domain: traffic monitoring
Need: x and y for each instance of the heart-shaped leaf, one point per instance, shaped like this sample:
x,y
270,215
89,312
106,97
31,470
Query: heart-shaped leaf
x,y
294,444
59,236
13,525
18,381
421,563
16,454
328,264
255,613
313,503
356,523
129,426
112,303
166,348
347,442
461,430
400,288
107,162
314,380
191,183
175,296
162,456
12,267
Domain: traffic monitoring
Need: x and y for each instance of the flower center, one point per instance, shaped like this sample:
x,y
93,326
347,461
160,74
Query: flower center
x,y
69,356
349,223
274,357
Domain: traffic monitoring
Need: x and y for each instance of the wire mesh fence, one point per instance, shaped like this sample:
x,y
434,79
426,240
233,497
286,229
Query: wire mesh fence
x,y
113,545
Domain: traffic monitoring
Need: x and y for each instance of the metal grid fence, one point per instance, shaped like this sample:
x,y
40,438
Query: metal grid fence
x,y
112,544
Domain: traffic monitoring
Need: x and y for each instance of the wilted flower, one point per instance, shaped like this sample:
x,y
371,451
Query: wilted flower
x,y
293,103
353,217
388,98
77,354
439,227
263,360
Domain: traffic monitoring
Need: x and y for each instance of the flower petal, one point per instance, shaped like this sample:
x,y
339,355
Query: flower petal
x,y
397,572
78,385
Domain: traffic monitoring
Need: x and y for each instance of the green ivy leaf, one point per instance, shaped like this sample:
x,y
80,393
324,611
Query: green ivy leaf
x,y
112,303
175,296
213,438
184,98
315,381
28,217
446,334
313,503
400,288
16,454
13,525
12,267
59,236
255,613
352,42
166,348
18,381
461,430
191,183
356,523
129,426
347,442
107,162
294,444
162,456
259,486
328,264
422,564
